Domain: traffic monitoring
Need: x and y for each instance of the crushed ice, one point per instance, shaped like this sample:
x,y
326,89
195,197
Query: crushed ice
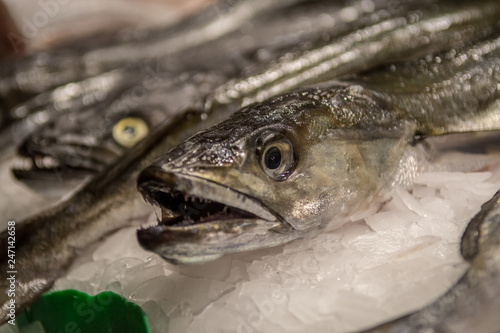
x,y
396,259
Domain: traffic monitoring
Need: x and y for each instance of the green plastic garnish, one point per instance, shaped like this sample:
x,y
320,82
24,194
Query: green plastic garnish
x,y
72,311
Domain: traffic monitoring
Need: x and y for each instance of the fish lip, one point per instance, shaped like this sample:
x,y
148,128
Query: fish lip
x,y
51,174
154,180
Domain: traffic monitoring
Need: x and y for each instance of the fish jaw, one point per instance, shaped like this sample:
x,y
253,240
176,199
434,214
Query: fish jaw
x,y
203,220
39,164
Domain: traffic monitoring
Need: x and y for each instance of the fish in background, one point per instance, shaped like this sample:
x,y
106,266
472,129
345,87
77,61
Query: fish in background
x,y
253,40
83,141
108,201
47,71
252,63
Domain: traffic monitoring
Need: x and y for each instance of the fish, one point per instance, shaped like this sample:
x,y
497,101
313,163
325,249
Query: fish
x,y
229,54
276,171
46,154
74,63
472,304
76,144
109,200
97,53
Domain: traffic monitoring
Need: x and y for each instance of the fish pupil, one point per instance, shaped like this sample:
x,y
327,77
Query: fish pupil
x,y
129,130
273,158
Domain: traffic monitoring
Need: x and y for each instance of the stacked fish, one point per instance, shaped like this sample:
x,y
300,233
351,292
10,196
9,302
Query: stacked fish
x,y
316,109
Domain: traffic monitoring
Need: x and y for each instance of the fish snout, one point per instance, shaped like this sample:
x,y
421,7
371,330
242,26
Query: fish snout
x,y
50,160
200,219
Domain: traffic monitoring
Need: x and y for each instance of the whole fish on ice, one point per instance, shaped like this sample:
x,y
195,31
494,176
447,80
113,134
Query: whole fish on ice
x,y
239,176
277,170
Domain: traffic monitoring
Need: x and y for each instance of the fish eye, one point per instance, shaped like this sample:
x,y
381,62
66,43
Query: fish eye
x,y
128,131
275,153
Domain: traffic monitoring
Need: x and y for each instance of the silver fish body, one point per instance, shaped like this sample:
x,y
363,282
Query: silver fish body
x,y
331,148
75,144
77,60
332,48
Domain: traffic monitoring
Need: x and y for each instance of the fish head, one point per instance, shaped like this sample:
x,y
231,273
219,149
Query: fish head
x,y
269,174
76,145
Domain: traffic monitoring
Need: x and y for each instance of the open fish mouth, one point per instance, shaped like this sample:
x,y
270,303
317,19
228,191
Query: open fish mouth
x,y
181,209
202,220
59,162
46,174
45,168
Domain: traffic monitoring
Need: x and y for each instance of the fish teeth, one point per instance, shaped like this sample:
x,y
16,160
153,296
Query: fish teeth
x,y
148,226
50,162
22,163
45,162
158,212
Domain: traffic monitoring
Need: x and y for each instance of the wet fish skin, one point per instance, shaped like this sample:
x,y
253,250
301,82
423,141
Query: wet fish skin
x,y
23,78
435,86
98,207
472,304
169,85
358,37
402,30
349,141
80,144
